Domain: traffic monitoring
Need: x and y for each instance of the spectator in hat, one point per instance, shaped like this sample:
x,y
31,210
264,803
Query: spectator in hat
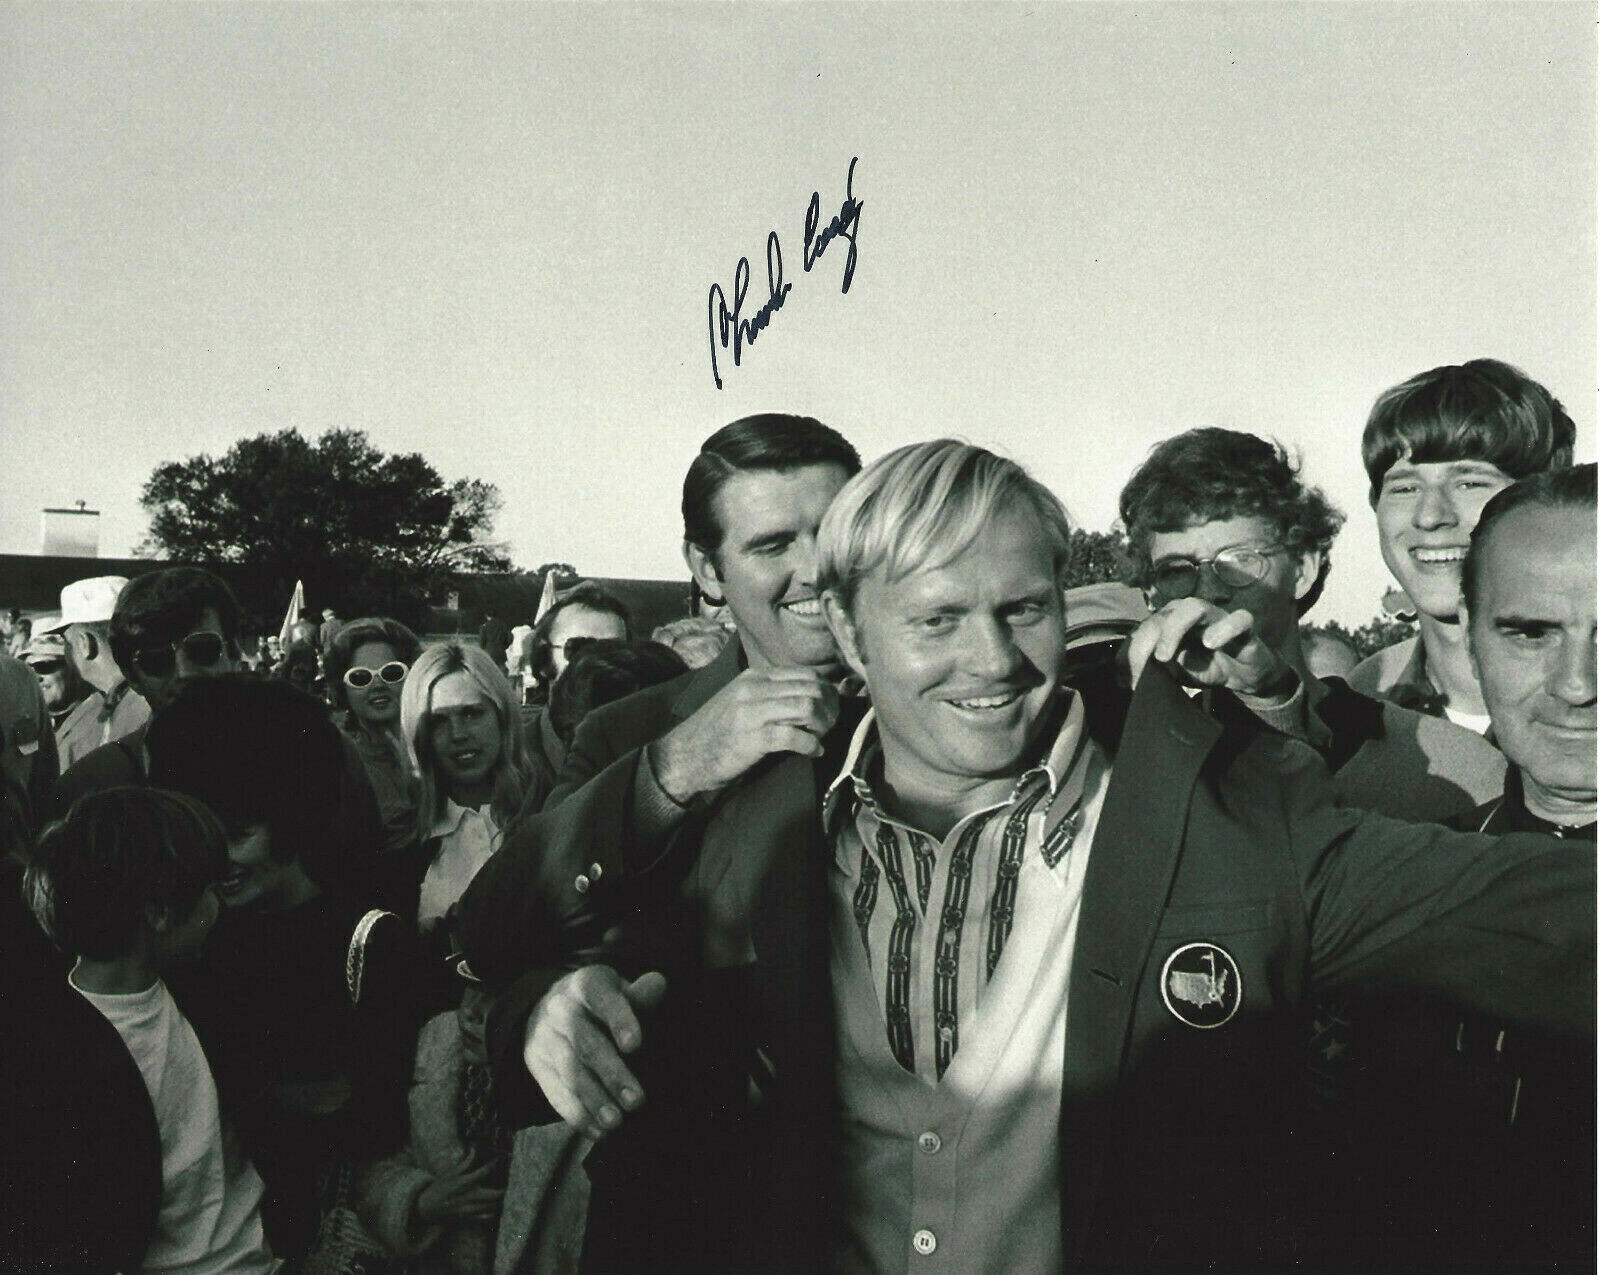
x,y
85,622
66,695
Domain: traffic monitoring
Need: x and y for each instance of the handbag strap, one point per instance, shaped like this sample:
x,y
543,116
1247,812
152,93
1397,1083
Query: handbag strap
x,y
355,959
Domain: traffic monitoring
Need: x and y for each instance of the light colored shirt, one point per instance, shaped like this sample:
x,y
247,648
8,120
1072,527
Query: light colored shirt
x,y
467,838
210,1219
950,964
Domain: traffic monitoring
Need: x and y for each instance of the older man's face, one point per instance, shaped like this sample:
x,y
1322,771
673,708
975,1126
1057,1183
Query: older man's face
x,y
1532,638
57,679
962,660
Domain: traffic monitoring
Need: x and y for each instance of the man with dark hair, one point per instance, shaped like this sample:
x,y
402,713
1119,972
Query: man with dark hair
x,y
584,612
1528,610
1224,517
607,669
1436,447
1485,1160
651,771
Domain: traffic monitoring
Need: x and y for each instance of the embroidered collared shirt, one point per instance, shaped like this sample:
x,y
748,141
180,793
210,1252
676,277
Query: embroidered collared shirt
x,y
934,918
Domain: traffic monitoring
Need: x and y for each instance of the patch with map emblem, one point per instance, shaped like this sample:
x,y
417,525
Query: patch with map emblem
x,y
1200,985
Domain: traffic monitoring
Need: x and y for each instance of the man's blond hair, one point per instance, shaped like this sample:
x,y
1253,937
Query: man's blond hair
x,y
921,506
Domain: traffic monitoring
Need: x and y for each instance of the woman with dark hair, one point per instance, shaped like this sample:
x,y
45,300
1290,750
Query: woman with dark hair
x,y
365,667
303,1000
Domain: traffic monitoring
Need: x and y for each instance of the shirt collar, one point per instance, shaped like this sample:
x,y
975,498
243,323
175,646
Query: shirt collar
x,y
453,816
851,789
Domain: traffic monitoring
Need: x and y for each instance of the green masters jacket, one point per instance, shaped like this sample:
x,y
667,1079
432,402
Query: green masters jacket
x,y
1224,889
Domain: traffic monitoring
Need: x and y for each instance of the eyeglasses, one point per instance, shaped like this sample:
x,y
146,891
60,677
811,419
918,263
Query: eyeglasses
x,y
359,678
1235,567
44,668
202,649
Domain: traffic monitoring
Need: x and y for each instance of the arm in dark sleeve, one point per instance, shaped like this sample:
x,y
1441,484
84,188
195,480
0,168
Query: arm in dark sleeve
x,y
525,922
539,901
1502,925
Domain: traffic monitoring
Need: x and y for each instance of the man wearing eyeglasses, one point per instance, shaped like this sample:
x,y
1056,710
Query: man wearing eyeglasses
x,y
1219,525
171,627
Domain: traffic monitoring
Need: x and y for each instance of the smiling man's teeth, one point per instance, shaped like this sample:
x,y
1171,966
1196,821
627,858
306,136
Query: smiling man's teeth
x,y
806,606
1454,554
985,701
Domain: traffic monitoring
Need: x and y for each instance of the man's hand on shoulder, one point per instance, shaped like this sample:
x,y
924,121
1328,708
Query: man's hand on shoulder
x,y
1212,647
762,711
575,1040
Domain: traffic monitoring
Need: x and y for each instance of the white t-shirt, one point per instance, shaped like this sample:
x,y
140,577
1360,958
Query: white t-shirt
x,y
210,1217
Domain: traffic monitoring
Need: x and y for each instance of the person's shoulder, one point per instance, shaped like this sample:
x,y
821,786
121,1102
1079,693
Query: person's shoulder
x,y
1379,672
108,766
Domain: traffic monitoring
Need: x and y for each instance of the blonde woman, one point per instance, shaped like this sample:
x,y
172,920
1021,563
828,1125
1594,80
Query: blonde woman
x,y
461,726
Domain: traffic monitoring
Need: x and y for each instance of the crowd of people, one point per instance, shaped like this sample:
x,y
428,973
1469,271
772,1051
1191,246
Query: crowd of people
x,y
897,910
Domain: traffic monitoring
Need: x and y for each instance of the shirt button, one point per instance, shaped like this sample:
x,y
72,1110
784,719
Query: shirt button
x,y
594,872
929,1142
581,885
924,1242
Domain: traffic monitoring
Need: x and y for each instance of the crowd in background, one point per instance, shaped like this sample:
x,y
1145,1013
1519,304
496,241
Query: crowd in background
x,y
247,1018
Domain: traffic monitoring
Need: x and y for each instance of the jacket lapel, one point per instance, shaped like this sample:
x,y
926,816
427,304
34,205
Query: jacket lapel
x,y
1163,743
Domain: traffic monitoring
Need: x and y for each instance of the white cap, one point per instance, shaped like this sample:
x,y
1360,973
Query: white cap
x,y
88,601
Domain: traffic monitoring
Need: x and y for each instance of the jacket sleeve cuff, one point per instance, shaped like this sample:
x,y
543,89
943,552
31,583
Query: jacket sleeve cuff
x,y
1288,717
655,811
391,1193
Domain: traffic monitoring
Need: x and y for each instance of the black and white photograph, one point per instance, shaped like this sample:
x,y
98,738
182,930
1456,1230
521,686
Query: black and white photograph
x,y
812,636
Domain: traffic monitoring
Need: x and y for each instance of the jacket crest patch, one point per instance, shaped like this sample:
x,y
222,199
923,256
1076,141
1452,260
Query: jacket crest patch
x,y
1200,985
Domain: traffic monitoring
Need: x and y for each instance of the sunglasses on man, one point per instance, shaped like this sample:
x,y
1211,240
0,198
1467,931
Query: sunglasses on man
x,y
359,678
203,649
45,668
1236,567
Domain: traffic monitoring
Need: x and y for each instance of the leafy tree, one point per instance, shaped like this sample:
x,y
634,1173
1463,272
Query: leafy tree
x,y
1094,557
365,530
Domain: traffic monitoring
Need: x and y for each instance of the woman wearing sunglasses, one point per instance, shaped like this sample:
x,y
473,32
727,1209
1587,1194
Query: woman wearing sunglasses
x,y
365,666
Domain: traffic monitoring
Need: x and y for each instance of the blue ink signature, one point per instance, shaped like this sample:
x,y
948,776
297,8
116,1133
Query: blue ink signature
x,y
730,327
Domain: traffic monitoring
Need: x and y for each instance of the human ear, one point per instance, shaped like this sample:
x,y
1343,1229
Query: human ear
x,y
703,566
1308,566
845,634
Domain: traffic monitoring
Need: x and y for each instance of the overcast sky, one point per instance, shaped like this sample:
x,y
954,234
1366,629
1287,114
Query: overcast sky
x,y
487,233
